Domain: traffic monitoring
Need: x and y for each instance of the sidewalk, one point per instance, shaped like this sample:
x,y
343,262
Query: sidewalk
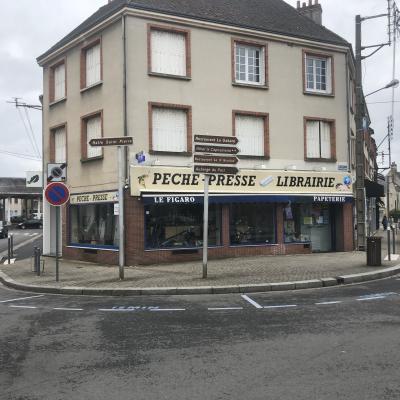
x,y
261,273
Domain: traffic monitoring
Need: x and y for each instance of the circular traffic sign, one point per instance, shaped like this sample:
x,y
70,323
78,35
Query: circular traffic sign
x,y
56,193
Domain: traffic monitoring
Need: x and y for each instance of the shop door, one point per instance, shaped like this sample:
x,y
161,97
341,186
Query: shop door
x,y
321,228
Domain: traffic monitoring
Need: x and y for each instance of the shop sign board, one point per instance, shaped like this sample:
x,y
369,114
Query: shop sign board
x,y
112,141
215,169
34,179
56,193
216,139
98,197
214,159
146,179
199,148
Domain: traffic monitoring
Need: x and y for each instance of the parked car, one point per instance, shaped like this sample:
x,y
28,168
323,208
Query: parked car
x,y
3,230
31,223
17,219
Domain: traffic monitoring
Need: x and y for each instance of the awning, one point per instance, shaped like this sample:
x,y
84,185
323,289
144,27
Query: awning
x,y
197,198
373,189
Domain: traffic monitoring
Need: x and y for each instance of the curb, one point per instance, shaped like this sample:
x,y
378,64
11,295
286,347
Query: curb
x,y
250,288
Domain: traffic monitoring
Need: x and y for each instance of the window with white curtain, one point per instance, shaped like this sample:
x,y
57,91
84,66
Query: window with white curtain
x,y
249,64
250,132
93,65
318,136
169,129
60,145
93,131
318,71
59,82
168,52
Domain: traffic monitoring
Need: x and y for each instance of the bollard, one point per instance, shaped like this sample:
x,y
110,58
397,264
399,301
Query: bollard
x,y
12,245
38,254
388,243
9,249
394,241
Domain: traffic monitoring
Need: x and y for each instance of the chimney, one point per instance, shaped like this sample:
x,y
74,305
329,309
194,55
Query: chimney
x,y
312,11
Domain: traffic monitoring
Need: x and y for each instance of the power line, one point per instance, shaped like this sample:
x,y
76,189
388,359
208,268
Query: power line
x,y
32,133
19,155
27,131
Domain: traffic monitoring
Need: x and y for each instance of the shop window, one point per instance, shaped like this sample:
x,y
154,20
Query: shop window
x,y
252,224
180,226
94,225
304,223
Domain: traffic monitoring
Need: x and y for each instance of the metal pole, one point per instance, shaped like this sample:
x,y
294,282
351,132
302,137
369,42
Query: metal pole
x,y
121,214
9,249
388,190
394,241
360,194
205,226
57,241
12,245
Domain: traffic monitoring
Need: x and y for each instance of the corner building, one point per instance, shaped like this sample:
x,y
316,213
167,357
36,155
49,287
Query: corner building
x,y
161,72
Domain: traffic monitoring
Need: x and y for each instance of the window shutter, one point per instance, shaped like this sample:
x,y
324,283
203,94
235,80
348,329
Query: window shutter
x,y
169,130
60,145
250,132
312,139
93,131
59,82
325,128
93,66
168,53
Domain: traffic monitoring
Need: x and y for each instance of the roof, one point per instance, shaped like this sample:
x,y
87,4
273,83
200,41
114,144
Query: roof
x,y
16,187
272,16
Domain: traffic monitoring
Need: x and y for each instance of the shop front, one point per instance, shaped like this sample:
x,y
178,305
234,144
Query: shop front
x,y
256,212
91,230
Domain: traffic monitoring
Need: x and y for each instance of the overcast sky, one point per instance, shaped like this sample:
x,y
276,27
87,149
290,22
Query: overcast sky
x,y
28,28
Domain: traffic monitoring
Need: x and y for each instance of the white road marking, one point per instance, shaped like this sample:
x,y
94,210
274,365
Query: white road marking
x,y
21,298
328,302
167,309
21,306
282,306
371,298
12,261
26,234
67,309
251,301
116,309
224,308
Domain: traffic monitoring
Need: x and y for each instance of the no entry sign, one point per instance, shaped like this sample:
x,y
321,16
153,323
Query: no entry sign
x,y
56,193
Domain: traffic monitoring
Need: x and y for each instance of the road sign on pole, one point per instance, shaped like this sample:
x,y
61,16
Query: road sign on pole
x,y
112,141
56,193
198,148
215,169
214,159
216,139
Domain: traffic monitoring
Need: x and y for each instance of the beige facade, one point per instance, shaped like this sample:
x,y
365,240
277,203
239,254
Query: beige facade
x,y
208,91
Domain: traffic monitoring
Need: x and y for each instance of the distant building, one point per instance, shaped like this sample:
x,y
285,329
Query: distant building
x,y
18,200
162,71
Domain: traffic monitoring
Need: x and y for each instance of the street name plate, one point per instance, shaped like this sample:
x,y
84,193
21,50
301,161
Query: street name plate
x,y
112,141
198,148
216,139
214,169
214,159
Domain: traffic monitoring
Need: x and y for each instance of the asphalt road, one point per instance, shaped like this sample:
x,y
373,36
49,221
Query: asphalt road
x,y
29,238
330,343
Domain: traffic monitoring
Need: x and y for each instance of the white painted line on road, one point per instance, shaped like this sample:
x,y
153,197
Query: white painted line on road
x,y
167,309
328,302
371,298
21,298
251,301
26,234
116,309
12,261
224,308
282,306
67,309
21,306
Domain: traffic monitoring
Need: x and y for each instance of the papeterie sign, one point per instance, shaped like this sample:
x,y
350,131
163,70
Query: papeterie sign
x,y
184,180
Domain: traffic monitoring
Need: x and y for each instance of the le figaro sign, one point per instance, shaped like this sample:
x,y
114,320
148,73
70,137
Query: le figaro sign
x,y
174,180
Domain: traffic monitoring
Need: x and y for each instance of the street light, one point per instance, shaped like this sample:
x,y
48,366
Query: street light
x,y
393,83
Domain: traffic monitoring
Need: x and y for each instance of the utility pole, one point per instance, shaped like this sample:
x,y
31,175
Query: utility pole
x,y
361,124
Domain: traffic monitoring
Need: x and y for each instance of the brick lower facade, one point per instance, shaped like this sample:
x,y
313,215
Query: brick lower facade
x,y
135,253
